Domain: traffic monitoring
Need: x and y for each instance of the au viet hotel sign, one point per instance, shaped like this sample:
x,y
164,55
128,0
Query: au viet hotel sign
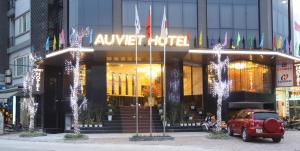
x,y
132,40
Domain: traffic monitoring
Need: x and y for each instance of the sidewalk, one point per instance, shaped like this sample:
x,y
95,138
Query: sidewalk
x,y
183,141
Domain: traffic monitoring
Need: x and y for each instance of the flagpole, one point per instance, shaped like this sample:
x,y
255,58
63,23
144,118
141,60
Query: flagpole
x,y
136,88
136,77
150,73
164,76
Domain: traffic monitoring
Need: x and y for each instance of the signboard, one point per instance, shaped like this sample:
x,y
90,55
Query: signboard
x,y
284,75
297,68
132,40
1,124
38,81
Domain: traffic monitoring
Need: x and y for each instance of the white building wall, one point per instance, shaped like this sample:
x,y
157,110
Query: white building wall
x,y
22,6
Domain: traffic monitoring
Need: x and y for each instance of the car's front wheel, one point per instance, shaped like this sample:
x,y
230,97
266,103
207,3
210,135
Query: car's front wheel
x,y
229,131
245,135
276,140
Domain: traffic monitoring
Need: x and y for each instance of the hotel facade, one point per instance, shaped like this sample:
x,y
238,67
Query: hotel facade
x,y
263,72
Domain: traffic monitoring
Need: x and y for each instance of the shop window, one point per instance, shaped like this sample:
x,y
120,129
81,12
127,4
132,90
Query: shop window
x,y
246,76
249,77
192,80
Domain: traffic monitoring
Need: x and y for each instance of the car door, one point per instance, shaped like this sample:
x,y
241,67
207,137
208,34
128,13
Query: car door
x,y
235,122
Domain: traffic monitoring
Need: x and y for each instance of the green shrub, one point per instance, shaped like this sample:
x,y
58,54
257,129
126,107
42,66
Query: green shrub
x,y
73,136
32,134
217,135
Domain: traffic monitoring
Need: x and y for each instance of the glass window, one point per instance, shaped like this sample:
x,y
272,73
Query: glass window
x,y
22,24
21,66
192,80
233,17
280,18
249,77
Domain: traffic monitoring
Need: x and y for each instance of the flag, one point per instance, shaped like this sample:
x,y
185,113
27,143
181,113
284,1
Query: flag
x,y
137,21
212,42
254,43
188,35
47,44
244,43
91,37
283,47
297,26
262,39
279,43
164,28
249,41
148,25
231,43
200,40
62,38
54,43
225,40
238,39
274,42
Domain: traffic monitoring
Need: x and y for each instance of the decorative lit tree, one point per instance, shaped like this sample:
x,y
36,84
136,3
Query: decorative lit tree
x,y
29,104
220,88
72,66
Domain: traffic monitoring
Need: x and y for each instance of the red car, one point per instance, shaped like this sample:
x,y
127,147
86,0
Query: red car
x,y
252,123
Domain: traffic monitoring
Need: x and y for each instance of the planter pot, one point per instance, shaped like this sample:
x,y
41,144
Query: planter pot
x,y
90,125
190,118
109,110
193,107
193,124
200,112
73,125
189,124
80,125
109,117
198,124
160,111
85,125
95,125
168,124
100,125
181,124
185,124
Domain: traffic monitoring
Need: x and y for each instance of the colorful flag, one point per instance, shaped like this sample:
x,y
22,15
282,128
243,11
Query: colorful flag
x,y
254,43
200,40
54,43
148,25
262,40
283,47
250,41
137,21
274,42
296,26
47,44
238,39
279,43
62,38
91,37
164,28
225,40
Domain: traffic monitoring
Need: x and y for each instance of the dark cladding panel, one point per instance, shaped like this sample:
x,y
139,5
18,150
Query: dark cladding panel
x,y
39,24
3,35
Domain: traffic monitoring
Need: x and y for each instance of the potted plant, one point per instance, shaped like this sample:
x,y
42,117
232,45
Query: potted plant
x,y
199,110
198,124
193,106
109,116
190,116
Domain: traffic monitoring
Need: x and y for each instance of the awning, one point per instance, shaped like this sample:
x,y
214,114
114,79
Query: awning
x,y
6,94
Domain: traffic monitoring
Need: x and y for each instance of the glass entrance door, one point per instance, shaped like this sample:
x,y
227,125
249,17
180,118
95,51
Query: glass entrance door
x,y
121,83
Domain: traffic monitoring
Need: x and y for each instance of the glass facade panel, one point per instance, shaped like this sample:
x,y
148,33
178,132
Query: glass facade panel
x,y
232,16
192,80
249,77
181,16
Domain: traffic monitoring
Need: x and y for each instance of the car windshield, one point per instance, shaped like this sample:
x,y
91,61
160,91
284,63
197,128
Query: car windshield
x,y
265,115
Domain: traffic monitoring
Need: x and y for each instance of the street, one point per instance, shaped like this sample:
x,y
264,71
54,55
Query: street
x,y
114,142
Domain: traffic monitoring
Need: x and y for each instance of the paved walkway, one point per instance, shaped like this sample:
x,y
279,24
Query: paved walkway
x,y
182,142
